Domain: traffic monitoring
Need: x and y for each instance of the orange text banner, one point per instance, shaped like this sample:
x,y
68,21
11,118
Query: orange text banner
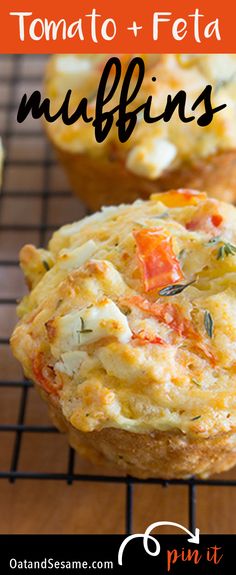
x,y
110,26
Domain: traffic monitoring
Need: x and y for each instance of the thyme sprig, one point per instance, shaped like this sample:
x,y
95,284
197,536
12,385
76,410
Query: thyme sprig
x,y
46,265
163,215
226,250
174,289
214,241
223,83
208,323
83,329
181,254
196,382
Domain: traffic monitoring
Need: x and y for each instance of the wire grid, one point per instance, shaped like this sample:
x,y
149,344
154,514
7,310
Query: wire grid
x,y
18,76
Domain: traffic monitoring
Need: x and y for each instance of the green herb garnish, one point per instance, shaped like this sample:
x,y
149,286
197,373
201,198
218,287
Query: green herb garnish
x,y
195,418
181,254
213,241
46,265
196,382
174,289
222,83
208,323
83,330
226,250
86,331
163,216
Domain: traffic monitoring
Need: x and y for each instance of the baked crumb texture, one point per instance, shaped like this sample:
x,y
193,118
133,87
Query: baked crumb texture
x,y
129,332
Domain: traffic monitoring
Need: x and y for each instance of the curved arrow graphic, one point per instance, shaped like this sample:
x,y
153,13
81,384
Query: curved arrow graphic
x,y
194,538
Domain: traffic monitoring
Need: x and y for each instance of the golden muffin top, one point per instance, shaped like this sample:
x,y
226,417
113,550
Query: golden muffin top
x,y
131,317
152,148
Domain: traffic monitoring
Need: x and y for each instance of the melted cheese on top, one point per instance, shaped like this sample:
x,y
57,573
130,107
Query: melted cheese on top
x,y
152,148
90,334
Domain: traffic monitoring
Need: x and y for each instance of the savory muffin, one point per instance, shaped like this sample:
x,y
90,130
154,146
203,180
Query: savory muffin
x,y
129,332
157,156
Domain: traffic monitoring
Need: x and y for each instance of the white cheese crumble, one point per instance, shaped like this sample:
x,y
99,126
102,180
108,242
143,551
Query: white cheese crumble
x,y
72,259
104,319
71,64
71,362
89,325
66,336
150,158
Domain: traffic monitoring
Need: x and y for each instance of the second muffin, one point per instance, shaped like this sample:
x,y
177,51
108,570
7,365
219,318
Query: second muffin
x,y
157,156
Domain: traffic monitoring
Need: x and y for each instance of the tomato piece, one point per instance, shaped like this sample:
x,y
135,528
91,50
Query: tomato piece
x,y
194,224
44,374
179,198
160,267
204,348
167,313
206,218
206,224
171,314
146,339
216,220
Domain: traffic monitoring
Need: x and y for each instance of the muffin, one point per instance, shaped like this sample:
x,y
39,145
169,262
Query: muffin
x,y
129,333
157,156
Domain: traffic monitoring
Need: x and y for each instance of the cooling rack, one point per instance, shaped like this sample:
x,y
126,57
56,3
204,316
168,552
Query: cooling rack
x,y
13,79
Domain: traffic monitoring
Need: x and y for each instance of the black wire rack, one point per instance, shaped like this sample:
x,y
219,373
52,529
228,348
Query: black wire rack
x,y
19,75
